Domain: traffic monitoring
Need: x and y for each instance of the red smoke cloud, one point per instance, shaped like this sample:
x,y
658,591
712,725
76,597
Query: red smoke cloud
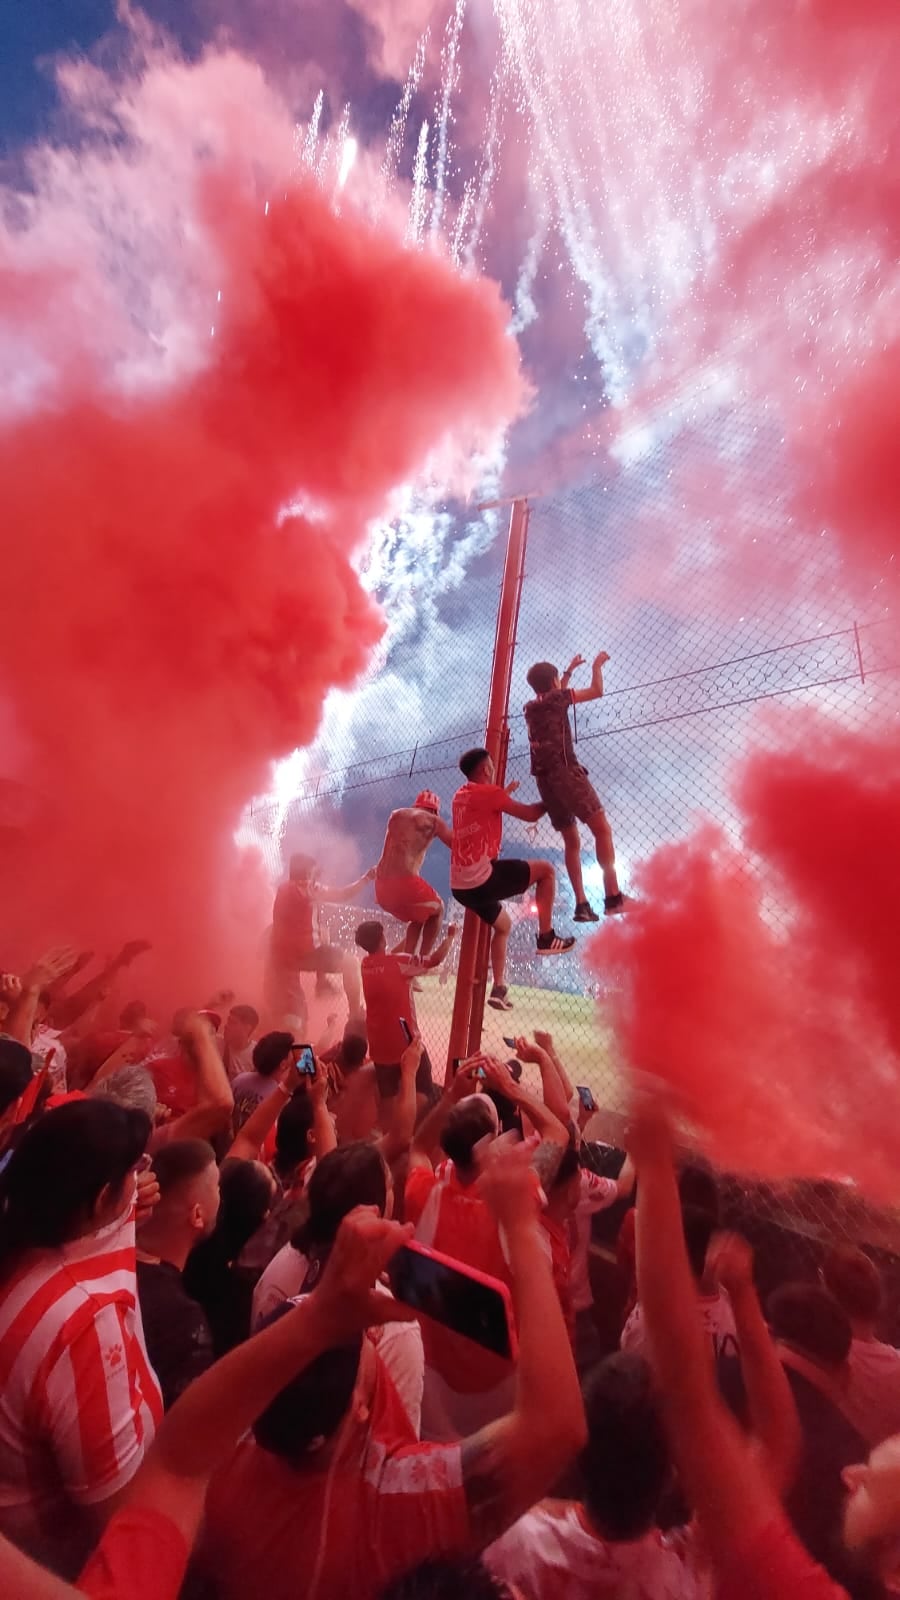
x,y
166,630
762,982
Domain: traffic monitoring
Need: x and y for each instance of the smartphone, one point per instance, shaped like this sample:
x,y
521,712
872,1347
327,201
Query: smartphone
x,y
458,1297
515,1070
304,1060
461,1061
407,1030
510,1043
586,1098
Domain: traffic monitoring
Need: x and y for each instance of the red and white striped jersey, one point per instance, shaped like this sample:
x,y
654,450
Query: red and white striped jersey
x,y
79,1400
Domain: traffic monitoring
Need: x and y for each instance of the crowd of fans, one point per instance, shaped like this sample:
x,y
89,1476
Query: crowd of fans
x,y
207,1387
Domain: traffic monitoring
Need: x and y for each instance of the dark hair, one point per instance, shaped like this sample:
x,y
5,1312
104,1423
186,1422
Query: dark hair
x,y
699,1228
569,1165
58,1172
292,1132
854,1281
132,1014
351,1176
541,676
246,1196
313,1405
16,1072
697,1187
448,1578
354,1048
472,760
625,1463
300,866
467,1123
180,1162
369,936
245,1014
270,1051
809,1318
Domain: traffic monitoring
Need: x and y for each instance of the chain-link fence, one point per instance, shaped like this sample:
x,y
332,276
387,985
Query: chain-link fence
x,y
712,619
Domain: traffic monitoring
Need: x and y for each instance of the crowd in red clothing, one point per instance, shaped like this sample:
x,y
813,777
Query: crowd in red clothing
x,y
207,1386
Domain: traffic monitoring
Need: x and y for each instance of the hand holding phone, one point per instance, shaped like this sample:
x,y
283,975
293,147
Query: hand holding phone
x,y
587,1099
407,1030
304,1060
455,1295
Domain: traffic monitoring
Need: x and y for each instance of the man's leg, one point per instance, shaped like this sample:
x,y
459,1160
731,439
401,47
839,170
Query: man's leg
x,y
606,854
431,929
543,877
410,940
572,840
499,942
349,969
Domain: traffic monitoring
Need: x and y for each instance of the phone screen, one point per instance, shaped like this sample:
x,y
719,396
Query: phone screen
x,y
586,1098
510,1043
304,1060
478,1308
407,1030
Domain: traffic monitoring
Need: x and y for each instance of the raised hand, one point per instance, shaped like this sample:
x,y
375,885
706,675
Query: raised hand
x,y
512,787
10,988
412,1055
50,967
130,951
544,1041
526,1051
576,661
346,1298
466,1080
508,1182
730,1261
601,659
498,1076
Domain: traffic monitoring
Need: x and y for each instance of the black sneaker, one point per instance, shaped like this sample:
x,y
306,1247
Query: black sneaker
x,y
614,903
550,944
499,998
584,912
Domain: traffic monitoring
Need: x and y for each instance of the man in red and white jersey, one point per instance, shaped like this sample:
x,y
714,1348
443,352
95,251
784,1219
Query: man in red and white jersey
x,y
480,881
387,978
400,888
79,1400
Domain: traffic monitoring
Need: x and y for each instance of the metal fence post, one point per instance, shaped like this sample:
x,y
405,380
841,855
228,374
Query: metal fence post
x,y
471,980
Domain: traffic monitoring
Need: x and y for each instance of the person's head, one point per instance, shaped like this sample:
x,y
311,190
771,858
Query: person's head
x,y
808,1319
15,1072
353,1175
855,1282
310,1409
270,1052
240,1026
699,1228
72,1173
872,1507
543,677
353,1051
697,1187
131,1086
370,937
476,765
472,1120
294,1136
625,1463
132,1014
189,1197
302,868
427,800
449,1578
246,1193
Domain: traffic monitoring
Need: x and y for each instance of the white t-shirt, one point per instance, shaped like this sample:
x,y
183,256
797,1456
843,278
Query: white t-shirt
x,y
872,1399
718,1323
399,1344
550,1553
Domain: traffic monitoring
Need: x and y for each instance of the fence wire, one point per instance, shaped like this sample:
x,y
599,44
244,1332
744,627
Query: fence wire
x,y
631,563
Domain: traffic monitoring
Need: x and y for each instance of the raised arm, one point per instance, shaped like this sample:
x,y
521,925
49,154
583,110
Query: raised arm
x,y
22,994
397,1137
514,808
512,1463
555,1099
68,1008
576,661
336,897
549,1127
731,1494
595,691
428,1134
545,1042
215,1101
443,831
442,951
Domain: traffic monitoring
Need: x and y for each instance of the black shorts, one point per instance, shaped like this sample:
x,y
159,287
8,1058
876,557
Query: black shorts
x,y
569,796
388,1079
507,880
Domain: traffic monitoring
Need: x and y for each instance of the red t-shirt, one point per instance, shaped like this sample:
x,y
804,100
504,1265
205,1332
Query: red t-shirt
x,y
477,833
772,1566
176,1086
292,924
380,1506
455,1220
142,1556
386,985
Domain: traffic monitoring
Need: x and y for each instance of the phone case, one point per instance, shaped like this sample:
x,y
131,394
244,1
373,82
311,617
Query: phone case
x,y
487,1282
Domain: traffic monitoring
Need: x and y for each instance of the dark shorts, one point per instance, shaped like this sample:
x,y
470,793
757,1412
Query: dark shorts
x,y
507,880
569,796
388,1079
